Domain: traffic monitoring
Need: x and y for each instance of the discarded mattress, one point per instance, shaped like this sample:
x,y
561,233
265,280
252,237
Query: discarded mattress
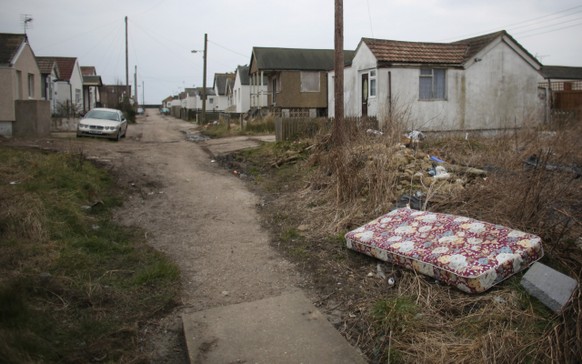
x,y
469,254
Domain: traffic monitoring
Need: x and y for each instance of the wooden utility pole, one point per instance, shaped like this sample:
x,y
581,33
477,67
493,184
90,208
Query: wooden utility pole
x,y
204,79
338,132
135,85
126,63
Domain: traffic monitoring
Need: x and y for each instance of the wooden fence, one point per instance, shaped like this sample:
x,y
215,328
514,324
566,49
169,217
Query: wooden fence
x,y
294,128
567,100
567,106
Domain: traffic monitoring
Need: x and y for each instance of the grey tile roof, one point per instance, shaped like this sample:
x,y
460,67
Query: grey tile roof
x,y
562,72
243,73
92,81
297,59
221,81
209,91
9,44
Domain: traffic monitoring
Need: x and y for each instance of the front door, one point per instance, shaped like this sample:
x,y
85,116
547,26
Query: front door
x,y
364,94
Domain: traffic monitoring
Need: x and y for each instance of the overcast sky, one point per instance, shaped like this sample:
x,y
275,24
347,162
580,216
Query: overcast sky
x,y
162,33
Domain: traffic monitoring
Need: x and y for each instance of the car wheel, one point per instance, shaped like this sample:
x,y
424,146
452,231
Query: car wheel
x,y
118,136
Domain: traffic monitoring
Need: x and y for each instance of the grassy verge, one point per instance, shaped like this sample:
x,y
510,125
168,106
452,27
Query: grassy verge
x,y
308,205
74,286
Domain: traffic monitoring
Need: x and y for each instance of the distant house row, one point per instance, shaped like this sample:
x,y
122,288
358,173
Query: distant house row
x,y
69,88
481,83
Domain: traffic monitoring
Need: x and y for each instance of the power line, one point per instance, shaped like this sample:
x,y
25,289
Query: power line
x,y
230,50
545,17
524,23
163,44
552,30
549,25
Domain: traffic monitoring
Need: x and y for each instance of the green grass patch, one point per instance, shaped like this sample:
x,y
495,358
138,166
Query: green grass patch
x,y
395,314
73,284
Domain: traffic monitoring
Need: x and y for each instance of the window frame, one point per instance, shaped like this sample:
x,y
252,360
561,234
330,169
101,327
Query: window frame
x,y
435,88
316,77
30,81
372,84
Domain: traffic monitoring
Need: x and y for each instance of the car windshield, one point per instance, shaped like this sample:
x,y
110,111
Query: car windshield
x,y
103,114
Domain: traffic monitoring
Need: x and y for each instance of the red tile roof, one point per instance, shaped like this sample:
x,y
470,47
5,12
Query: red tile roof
x,y
391,51
66,66
88,71
456,53
46,64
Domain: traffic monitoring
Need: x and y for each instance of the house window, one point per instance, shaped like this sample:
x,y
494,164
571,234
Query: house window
x,y
432,84
30,86
277,84
210,100
77,96
372,83
310,81
19,85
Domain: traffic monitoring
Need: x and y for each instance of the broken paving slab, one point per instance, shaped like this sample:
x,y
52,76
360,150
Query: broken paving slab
x,y
282,329
552,288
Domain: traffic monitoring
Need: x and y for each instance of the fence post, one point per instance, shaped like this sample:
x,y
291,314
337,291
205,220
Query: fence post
x,y
278,129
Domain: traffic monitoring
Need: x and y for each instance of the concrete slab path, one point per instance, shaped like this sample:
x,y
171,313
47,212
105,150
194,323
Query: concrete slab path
x,y
282,329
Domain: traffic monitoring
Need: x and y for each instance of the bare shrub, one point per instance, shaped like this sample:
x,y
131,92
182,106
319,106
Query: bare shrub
x,y
357,174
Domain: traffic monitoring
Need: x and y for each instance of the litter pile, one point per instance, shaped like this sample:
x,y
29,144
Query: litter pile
x,y
415,173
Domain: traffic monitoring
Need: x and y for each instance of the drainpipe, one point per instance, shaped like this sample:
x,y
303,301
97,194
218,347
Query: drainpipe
x,y
71,98
390,96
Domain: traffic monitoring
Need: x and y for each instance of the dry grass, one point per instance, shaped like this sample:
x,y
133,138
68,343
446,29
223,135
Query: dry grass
x,y
310,205
418,320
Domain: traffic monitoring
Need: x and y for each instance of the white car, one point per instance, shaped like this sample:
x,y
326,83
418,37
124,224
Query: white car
x,y
103,122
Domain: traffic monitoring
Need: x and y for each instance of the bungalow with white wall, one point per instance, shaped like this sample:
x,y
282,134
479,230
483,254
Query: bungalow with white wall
x,y
69,87
222,82
240,95
193,99
488,82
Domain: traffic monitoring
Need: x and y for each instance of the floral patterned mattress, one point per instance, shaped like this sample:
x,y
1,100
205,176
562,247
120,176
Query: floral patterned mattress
x,y
469,254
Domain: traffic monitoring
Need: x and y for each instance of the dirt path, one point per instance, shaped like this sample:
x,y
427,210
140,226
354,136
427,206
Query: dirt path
x,y
201,216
